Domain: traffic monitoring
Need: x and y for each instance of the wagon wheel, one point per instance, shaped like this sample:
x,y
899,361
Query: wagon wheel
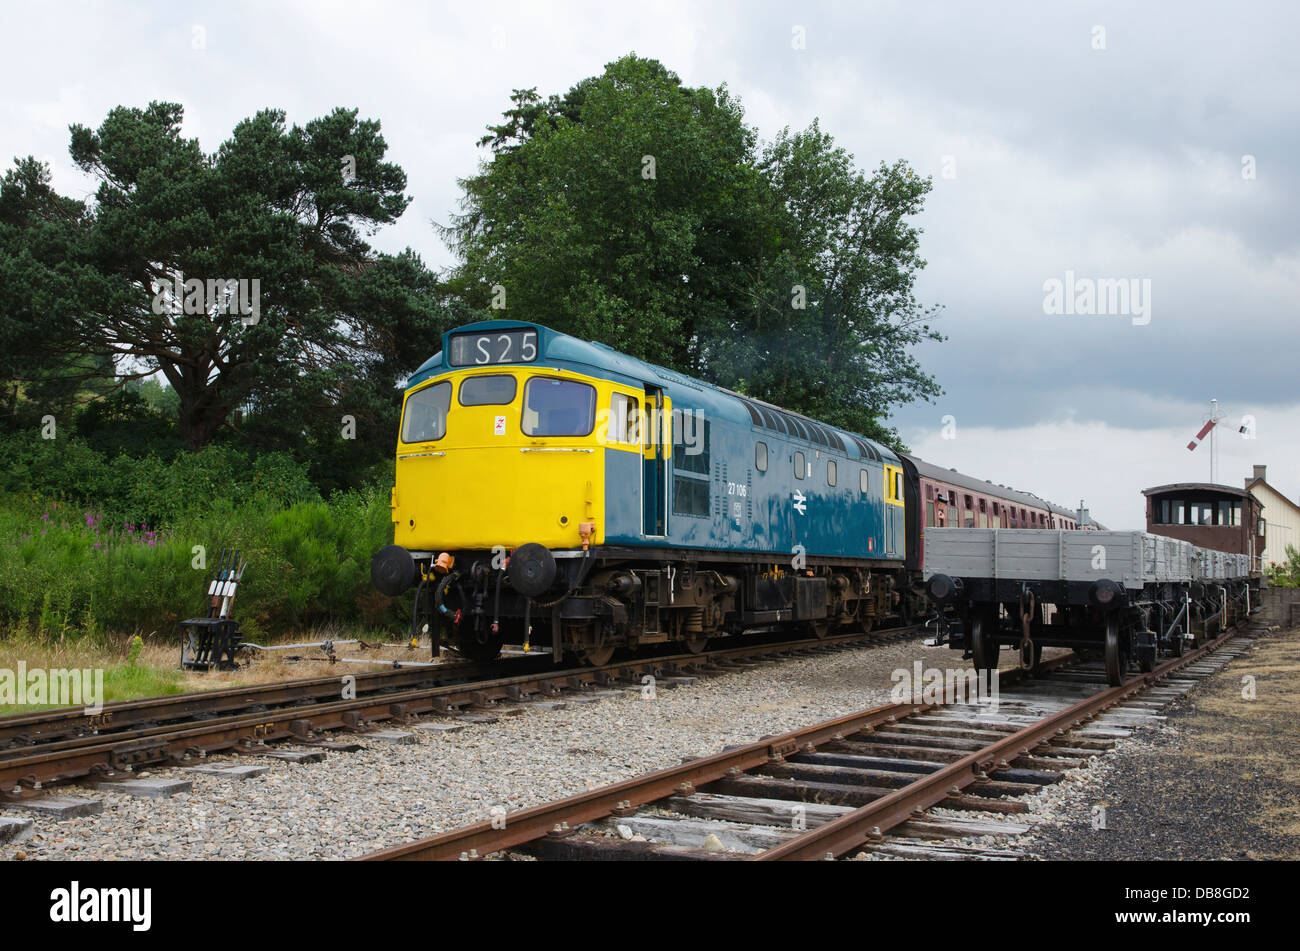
x,y
1179,645
1116,653
984,645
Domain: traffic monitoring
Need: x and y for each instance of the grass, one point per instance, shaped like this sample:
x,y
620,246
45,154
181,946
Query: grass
x,y
152,669
146,672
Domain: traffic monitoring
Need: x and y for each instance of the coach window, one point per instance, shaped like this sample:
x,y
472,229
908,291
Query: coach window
x,y
800,467
760,456
625,419
863,481
831,473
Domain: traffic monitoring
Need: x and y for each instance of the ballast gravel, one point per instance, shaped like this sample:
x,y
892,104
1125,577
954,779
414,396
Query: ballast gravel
x,y
354,803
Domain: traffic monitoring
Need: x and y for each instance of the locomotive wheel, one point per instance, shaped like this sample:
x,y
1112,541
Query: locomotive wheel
x,y
983,645
905,612
469,645
818,629
1116,654
696,645
597,656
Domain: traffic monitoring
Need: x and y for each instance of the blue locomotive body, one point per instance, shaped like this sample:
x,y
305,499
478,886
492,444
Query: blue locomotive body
x,y
742,475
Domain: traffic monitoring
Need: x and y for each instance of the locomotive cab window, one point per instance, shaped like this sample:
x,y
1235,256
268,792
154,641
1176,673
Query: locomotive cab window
x,y
625,419
863,481
893,484
493,390
760,456
800,467
558,407
425,416
831,473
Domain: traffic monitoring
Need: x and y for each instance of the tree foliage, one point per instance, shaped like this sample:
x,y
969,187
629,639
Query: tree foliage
x,y
642,213
285,210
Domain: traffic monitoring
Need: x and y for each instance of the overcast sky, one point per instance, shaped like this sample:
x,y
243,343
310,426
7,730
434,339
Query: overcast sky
x,y
1155,145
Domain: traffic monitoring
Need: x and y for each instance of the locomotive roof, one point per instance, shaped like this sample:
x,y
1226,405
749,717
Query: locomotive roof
x,y
565,351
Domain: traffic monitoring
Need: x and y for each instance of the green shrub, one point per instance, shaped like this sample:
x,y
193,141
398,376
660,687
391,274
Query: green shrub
x,y
72,570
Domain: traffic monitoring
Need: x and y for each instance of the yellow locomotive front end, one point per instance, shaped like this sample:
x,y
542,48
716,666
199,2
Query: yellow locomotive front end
x,y
499,457
500,501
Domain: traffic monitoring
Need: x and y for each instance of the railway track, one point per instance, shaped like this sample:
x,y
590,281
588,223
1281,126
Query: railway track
x,y
852,785
59,746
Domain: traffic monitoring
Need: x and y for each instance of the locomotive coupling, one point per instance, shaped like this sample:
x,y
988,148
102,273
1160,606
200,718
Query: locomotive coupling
x,y
392,570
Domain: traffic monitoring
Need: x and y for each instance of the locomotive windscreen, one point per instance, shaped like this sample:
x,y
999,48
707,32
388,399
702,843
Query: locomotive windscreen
x,y
425,416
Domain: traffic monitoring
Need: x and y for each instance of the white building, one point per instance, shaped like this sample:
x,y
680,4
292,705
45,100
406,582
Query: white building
x,y
1281,517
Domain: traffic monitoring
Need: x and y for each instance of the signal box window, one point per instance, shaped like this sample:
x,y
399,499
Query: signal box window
x,y
800,467
558,407
760,456
425,416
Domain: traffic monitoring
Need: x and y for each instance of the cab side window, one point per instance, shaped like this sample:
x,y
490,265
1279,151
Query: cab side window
x,y
625,419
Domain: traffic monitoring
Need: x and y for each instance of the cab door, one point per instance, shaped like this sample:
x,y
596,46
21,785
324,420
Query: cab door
x,y
894,511
656,446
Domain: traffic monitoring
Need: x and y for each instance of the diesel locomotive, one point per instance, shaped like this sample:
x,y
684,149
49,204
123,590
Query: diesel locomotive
x,y
554,492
